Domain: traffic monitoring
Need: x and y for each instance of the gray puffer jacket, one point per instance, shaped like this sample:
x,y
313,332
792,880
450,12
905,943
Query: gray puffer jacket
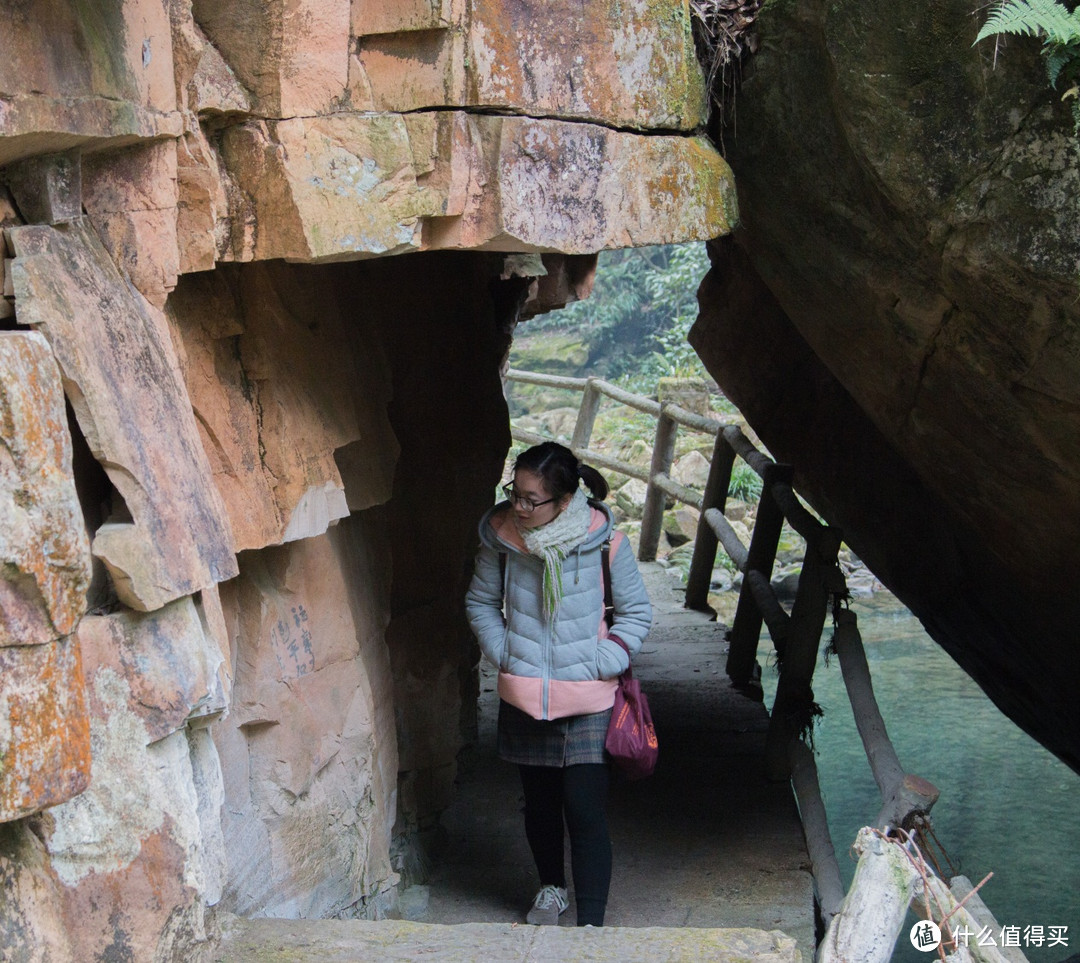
x,y
568,667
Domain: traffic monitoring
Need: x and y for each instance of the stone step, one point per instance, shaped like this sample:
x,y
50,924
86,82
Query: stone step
x,y
339,941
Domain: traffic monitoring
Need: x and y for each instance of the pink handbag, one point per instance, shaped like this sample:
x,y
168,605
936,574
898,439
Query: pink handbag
x,y
631,737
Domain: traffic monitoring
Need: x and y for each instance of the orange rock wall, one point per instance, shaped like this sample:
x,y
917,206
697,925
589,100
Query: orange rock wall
x,y
239,494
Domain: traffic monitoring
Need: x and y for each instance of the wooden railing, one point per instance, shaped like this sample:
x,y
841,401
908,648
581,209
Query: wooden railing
x,y
796,637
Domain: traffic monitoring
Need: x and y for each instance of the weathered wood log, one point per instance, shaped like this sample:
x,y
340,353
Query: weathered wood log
x,y
968,919
590,407
746,450
797,516
722,530
804,780
526,436
595,458
652,515
746,625
777,620
693,421
599,460
713,500
629,399
873,912
669,486
547,381
792,708
902,794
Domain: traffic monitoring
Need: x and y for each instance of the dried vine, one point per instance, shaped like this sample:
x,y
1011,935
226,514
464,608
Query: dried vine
x,y
724,35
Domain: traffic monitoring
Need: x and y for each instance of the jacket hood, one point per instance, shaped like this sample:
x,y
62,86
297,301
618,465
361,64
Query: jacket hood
x,y
499,532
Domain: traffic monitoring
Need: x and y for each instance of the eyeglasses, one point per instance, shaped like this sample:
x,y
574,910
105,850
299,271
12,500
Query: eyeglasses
x,y
523,501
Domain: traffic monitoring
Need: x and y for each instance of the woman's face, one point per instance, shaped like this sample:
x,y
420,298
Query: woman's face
x,y
529,485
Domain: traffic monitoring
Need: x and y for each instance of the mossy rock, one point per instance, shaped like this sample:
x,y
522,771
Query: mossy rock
x,y
555,352
689,393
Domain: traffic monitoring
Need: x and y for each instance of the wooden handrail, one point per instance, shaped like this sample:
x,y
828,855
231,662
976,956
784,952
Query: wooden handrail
x,y
725,534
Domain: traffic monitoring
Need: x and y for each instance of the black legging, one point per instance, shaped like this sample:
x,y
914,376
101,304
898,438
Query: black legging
x,y
579,792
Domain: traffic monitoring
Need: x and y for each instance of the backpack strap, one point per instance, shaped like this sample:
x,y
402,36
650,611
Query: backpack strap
x,y
605,565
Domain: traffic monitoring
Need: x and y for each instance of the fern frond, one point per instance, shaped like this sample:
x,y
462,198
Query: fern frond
x,y
1048,18
1057,58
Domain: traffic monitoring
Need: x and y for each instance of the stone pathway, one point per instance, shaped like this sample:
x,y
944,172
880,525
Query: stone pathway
x,y
709,857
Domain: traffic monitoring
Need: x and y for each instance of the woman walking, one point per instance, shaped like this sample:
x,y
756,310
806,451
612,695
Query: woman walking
x,y
536,604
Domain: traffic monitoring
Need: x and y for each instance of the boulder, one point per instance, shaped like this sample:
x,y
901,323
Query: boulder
x,y
43,543
44,727
86,92
735,510
692,470
638,454
616,64
131,199
680,525
559,422
909,292
743,533
309,750
630,497
351,185
689,393
785,582
291,404
169,536
140,852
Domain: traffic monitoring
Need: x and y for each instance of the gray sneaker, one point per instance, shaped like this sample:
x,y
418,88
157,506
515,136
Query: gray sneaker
x,y
549,904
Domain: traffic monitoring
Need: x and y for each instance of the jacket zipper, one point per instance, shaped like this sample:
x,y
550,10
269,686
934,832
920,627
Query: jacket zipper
x,y
548,645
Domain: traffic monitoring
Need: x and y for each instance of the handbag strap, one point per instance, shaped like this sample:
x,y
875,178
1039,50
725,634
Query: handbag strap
x,y
609,606
629,673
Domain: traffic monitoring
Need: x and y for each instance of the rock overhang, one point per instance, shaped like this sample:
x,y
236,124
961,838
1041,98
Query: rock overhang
x,y
366,185
363,130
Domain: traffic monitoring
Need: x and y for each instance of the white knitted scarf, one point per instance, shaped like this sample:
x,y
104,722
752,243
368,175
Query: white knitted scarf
x,y
552,543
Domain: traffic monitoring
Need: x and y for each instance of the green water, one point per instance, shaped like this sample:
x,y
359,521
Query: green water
x,y
1007,805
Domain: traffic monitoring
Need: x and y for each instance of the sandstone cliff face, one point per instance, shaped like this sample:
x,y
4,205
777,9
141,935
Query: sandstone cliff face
x,y
239,494
904,327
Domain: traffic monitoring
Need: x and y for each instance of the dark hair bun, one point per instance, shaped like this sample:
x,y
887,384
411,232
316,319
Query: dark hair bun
x,y
560,469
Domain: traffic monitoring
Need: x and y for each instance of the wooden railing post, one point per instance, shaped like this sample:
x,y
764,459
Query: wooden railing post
x,y
794,690
652,517
590,405
746,626
715,496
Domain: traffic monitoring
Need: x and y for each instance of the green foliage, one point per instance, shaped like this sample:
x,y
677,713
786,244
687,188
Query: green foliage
x,y
1032,18
1060,29
642,297
745,483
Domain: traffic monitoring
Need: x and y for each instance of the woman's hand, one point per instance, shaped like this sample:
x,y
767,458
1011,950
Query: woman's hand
x,y
612,659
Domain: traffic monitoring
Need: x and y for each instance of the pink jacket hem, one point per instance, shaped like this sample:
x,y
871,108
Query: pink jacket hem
x,y
564,698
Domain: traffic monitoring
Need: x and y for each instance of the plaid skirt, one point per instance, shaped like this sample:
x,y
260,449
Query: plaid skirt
x,y
572,741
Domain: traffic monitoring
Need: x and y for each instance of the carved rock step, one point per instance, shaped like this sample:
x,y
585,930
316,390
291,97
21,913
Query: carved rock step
x,y
337,941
